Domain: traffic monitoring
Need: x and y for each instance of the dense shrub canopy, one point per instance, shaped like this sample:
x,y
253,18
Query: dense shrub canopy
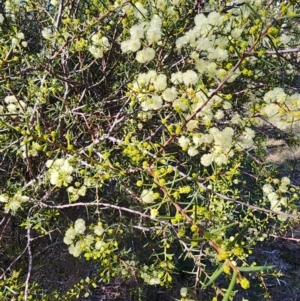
x,y
135,133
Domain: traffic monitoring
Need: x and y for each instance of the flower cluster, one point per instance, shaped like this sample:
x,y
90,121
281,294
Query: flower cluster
x,y
12,7
79,241
13,203
14,106
15,41
151,88
100,44
152,31
60,171
220,142
281,109
222,147
75,249
277,198
154,83
76,192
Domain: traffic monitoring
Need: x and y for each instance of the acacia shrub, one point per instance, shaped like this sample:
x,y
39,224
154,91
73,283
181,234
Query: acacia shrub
x,y
131,131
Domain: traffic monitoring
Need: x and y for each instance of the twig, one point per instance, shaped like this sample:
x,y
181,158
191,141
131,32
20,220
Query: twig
x,y
96,204
116,120
285,238
290,50
29,257
59,15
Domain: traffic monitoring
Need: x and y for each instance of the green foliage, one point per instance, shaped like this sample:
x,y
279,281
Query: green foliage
x,y
133,132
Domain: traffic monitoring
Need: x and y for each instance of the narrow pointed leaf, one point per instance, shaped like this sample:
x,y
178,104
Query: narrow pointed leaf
x,y
215,275
230,287
256,268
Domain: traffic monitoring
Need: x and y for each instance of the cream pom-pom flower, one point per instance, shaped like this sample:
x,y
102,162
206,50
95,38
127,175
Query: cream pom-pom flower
x,y
145,55
148,196
79,226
